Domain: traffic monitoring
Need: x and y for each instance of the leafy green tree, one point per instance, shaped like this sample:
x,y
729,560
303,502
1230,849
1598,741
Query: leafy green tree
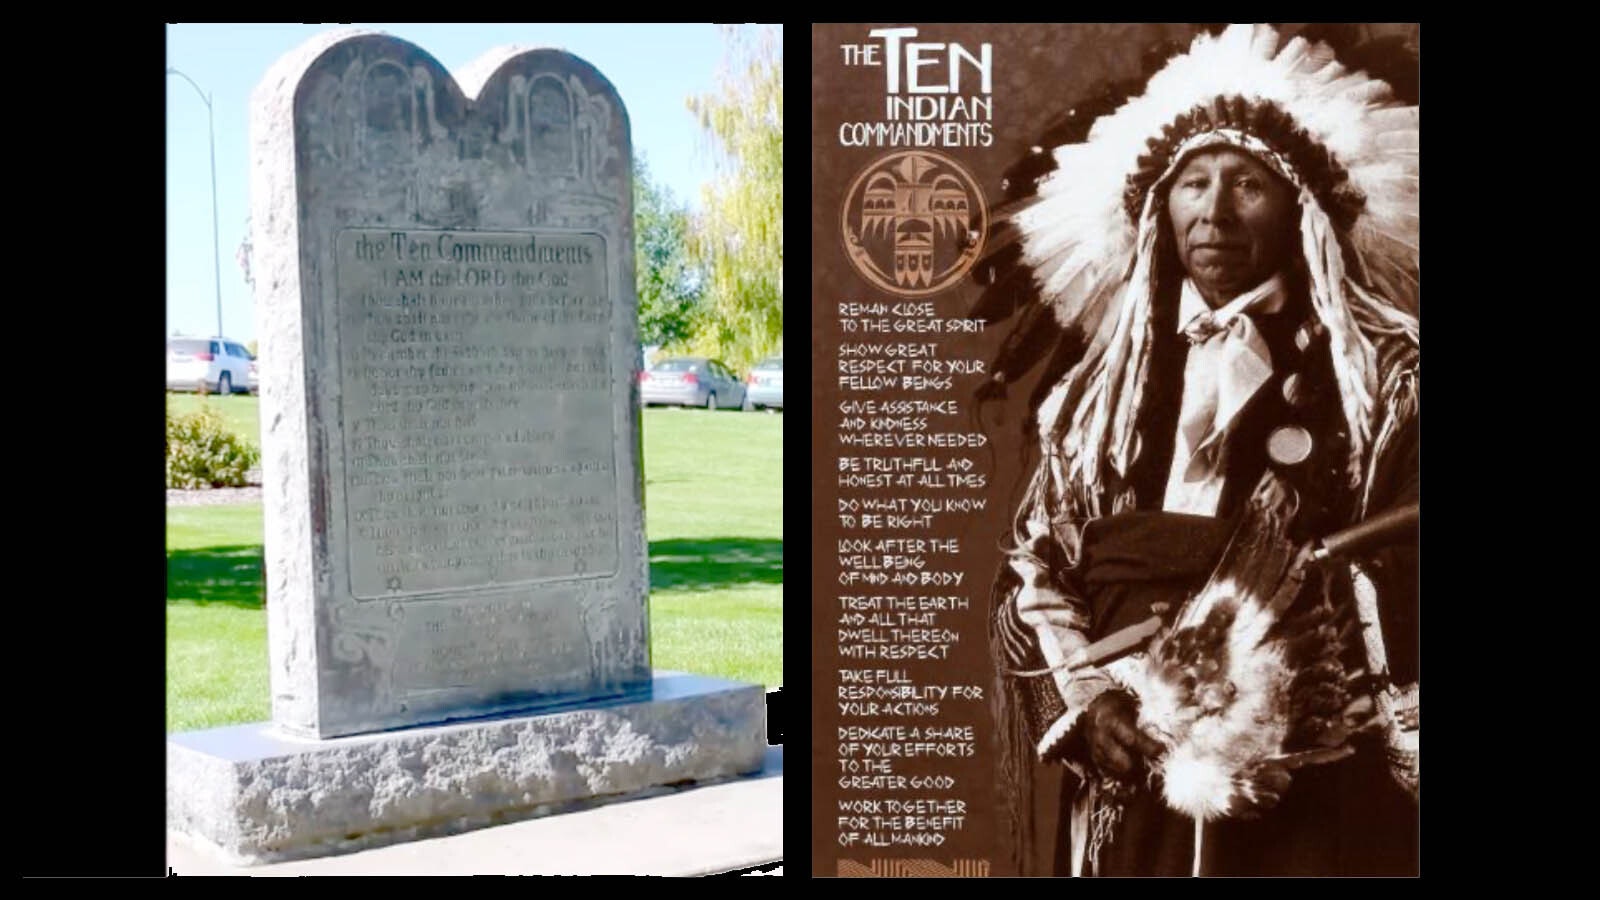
x,y
739,236
670,283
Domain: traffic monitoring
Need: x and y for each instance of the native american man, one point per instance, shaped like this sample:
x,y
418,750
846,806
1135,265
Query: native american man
x,y
1231,260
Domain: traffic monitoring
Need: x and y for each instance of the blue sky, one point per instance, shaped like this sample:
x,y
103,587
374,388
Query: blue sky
x,y
653,67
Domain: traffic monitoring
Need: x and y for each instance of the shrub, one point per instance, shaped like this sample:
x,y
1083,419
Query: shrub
x,y
202,453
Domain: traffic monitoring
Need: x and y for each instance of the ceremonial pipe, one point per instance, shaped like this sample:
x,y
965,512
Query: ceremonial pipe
x,y
1114,644
1381,529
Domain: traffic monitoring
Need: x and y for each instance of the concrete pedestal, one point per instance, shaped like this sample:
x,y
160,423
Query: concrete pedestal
x,y
257,796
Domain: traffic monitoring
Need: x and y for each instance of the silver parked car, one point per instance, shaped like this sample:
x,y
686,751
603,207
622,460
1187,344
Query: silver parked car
x,y
217,363
766,385
690,381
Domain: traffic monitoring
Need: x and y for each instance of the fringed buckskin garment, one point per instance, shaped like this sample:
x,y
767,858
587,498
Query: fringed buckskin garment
x,y
1251,667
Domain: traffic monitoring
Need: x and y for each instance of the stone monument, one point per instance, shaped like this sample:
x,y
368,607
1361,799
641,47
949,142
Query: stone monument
x,y
455,548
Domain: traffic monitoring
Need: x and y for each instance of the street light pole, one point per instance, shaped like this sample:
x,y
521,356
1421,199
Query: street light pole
x,y
216,244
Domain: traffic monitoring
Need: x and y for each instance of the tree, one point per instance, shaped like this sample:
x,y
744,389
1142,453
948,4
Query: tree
x,y
670,283
739,237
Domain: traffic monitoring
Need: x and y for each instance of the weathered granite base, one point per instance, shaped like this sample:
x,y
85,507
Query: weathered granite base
x,y
258,796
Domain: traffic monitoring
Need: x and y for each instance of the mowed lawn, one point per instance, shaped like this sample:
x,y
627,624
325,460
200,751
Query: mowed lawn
x,y
713,516
216,627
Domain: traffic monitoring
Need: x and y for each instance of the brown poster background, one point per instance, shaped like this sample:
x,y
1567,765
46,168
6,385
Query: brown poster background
x,y
952,824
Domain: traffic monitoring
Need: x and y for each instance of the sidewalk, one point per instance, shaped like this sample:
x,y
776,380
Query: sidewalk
x,y
694,831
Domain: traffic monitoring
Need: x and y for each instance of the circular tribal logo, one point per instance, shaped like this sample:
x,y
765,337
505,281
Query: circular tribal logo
x,y
914,222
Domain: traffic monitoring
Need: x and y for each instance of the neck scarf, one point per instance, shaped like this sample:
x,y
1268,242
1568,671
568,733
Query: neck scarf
x,y
1228,363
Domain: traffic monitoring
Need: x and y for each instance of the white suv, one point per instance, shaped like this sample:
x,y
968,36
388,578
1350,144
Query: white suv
x,y
219,364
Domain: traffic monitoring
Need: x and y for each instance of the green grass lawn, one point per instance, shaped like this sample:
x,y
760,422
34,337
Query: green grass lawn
x,y
713,516
216,628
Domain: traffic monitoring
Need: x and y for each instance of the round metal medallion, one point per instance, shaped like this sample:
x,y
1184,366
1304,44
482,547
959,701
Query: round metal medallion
x,y
1289,445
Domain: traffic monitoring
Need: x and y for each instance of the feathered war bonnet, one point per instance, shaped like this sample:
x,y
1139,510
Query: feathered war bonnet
x,y
1089,237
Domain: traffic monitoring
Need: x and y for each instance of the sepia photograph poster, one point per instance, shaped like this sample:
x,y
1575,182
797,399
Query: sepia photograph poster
x,y
1115,342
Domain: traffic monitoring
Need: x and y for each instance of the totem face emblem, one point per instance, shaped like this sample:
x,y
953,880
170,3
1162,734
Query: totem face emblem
x,y
913,222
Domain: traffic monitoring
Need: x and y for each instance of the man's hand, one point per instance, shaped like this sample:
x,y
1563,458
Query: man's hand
x,y
1117,748
1267,785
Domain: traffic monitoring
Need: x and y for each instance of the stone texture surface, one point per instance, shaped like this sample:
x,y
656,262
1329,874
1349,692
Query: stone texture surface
x,y
732,825
402,604
259,796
